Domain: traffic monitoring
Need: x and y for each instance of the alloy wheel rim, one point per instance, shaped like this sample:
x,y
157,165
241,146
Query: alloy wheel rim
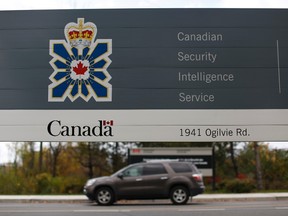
x,y
104,196
179,195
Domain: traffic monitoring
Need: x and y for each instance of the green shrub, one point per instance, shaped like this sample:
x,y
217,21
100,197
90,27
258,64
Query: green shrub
x,y
43,182
238,186
46,184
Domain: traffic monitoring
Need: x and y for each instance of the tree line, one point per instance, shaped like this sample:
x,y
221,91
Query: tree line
x,y
64,167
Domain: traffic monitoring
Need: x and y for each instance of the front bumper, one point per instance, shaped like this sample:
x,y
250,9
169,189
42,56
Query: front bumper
x,y
89,194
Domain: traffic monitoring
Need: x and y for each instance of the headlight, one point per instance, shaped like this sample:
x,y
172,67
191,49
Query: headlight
x,y
90,182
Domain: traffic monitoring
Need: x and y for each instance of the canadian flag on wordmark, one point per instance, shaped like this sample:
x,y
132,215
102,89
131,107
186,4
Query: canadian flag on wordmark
x,y
108,123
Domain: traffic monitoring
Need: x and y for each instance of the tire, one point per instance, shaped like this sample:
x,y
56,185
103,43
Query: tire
x,y
104,196
179,195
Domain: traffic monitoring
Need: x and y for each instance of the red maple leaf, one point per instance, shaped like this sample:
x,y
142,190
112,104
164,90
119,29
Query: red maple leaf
x,y
79,69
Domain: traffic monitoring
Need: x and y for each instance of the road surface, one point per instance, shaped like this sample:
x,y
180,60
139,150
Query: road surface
x,y
263,208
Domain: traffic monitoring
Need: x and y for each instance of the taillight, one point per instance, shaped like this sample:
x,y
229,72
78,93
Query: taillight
x,y
197,177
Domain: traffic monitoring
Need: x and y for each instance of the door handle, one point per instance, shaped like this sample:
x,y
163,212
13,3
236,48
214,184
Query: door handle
x,y
164,178
139,179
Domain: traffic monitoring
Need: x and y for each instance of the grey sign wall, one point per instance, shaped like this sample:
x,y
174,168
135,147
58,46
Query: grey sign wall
x,y
158,59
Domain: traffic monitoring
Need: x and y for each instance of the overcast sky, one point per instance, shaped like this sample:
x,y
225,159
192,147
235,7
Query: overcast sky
x,y
96,4
73,4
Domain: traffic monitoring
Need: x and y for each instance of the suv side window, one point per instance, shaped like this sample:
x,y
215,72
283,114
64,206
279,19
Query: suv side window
x,y
154,169
180,167
133,171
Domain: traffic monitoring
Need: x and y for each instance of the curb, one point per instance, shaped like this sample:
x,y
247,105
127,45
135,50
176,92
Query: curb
x,y
43,199
200,198
241,197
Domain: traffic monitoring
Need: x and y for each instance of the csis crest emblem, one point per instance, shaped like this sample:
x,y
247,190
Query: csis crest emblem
x,y
80,65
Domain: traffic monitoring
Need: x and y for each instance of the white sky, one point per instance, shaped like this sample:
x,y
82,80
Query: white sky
x,y
5,154
79,4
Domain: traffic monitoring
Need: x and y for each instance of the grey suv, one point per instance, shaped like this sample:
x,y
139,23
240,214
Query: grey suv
x,y
157,180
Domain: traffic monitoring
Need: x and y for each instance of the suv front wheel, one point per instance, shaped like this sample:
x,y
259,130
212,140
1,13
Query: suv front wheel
x,y
179,195
104,196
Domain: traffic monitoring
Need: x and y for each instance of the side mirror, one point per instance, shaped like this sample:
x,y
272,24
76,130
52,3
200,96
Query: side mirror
x,y
120,175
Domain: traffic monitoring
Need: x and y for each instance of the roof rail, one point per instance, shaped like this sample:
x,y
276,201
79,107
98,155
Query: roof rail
x,y
160,160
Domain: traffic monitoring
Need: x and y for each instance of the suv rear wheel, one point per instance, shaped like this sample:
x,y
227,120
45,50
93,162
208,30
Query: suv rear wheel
x,y
104,196
179,195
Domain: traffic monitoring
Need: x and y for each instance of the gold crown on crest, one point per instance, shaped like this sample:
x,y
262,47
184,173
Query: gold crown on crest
x,y
80,33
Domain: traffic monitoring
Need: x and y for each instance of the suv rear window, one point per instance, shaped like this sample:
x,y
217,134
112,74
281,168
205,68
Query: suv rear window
x,y
180,167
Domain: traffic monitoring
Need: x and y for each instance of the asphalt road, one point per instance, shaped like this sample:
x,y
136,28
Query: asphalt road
x,y
263,208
